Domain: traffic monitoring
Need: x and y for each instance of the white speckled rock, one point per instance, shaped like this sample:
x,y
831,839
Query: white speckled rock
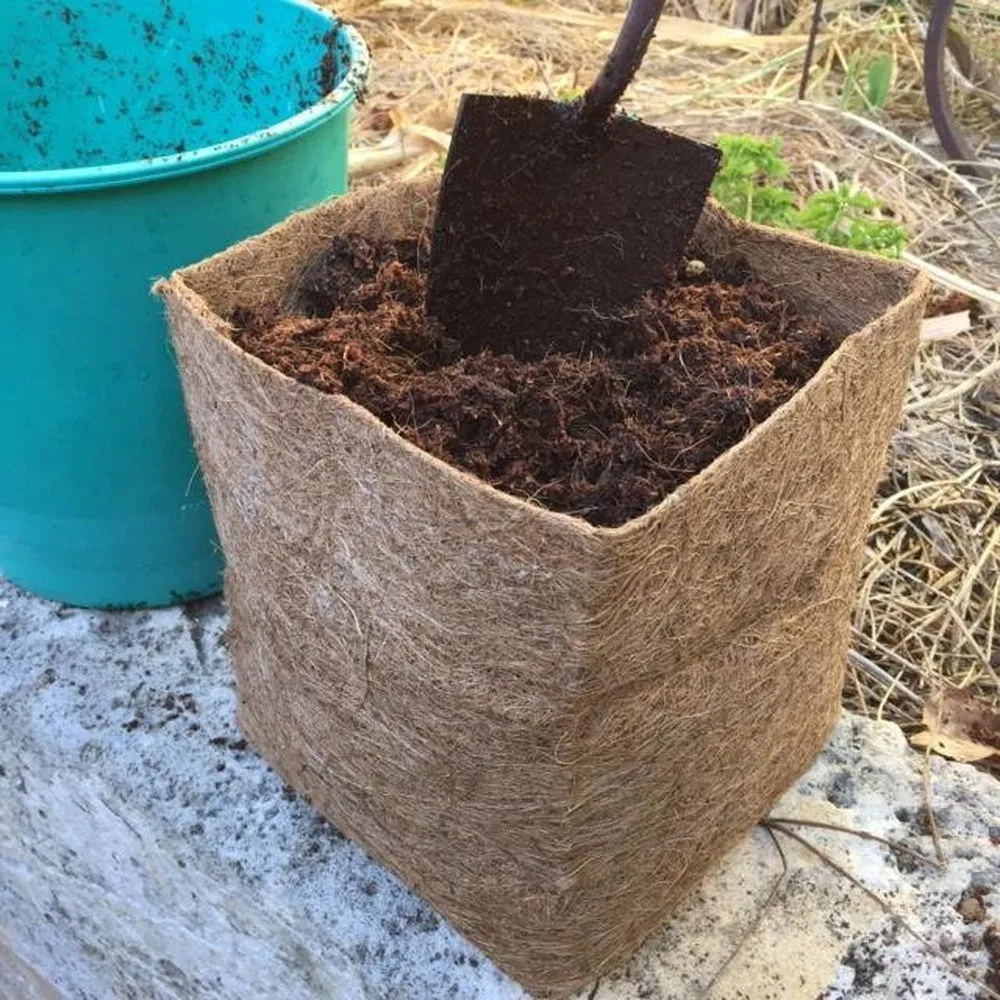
x,y
145,853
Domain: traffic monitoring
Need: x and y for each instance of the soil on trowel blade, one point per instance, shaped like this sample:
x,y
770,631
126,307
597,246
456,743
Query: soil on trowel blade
x,y
543,220
602,435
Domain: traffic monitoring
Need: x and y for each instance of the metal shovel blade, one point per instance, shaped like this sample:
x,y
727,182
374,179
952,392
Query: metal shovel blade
x,y
547,224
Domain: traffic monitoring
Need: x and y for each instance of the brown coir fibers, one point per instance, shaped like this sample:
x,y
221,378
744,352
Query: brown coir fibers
x,y
604,434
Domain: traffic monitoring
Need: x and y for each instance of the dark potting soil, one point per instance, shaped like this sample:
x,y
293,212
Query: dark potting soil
x,y
603,435
330,65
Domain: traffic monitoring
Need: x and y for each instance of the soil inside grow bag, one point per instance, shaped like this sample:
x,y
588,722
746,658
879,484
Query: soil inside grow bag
x,y
603,434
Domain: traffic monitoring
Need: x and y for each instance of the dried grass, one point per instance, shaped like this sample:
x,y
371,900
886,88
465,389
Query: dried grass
x,y
927,609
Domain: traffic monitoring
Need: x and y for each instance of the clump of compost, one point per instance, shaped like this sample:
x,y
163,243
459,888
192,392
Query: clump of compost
x,y
604,433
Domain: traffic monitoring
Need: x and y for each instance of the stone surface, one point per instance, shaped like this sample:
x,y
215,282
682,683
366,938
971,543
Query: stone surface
x,y
145,852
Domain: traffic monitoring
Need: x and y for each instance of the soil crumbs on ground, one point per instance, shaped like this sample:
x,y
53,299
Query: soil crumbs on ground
x,y
604,434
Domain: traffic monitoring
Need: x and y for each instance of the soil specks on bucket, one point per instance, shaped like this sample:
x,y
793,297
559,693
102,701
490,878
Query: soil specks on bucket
x,y
603,435
330,67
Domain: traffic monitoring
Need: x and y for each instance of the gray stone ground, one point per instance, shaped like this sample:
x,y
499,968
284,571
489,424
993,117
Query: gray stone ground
x,y
146,853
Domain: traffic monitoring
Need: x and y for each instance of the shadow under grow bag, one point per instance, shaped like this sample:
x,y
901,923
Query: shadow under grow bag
x,y
549,729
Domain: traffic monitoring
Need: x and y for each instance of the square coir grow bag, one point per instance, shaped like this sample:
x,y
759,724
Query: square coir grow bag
x,y
549,729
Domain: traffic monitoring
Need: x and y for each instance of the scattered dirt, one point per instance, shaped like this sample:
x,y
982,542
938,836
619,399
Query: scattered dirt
x,y
329,67
991,942
945,303
972,905
603,435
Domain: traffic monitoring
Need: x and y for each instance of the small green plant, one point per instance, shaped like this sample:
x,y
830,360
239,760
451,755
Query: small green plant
x,y
880,75
848,217
748,180
751,181
867,88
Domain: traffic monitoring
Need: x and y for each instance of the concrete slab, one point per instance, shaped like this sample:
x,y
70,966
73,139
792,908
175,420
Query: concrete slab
x,y
145,852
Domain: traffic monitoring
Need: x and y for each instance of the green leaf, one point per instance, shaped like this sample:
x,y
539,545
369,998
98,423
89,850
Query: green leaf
x,y
744,182
880,75
773,207
848,217
750,184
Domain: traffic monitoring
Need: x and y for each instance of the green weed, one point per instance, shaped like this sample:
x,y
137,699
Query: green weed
x,y
848,217
880,75
751,184
749,180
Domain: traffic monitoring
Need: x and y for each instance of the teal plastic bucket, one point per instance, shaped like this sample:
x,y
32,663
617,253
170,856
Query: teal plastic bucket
x,y
137,136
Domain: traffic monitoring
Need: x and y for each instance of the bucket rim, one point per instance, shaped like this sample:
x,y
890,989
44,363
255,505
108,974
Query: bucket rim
x,y
110,175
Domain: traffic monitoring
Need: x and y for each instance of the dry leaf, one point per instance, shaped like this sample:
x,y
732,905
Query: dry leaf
x,y
960,727
398,147
687,31
945,327
670,29
943,547
418,167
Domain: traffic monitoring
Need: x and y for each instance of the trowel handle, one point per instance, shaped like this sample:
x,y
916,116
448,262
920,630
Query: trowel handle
x,y
629,48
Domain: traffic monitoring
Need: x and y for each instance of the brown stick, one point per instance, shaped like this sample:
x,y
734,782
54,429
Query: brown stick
x,y
626,56
931,949
864,834
810,47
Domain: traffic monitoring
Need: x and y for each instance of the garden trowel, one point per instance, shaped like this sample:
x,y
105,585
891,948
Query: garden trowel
x,y
553,217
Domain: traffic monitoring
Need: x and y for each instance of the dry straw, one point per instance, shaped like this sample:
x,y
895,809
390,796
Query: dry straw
x,y
549,730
